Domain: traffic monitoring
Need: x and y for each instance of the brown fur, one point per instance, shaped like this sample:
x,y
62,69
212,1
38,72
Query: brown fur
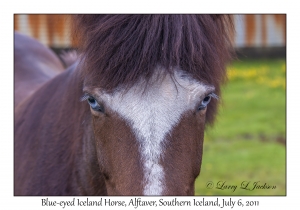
x,y
54,149
118,155
186,143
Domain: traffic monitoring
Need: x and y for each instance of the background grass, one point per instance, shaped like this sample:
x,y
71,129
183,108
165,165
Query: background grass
x,y
247,142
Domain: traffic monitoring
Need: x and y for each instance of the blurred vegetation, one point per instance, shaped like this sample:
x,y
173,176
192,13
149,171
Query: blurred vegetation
x,y
247,142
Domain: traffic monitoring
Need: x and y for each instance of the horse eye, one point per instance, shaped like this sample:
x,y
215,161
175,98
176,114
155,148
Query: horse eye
x,y
94,104
204,102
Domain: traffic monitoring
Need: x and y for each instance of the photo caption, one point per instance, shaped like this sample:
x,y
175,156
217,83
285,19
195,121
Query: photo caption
x,y
138,202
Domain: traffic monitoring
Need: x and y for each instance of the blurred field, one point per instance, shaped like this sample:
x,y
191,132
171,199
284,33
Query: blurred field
x,y
247,142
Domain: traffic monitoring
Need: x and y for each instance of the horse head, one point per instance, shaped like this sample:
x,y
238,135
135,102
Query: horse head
x,y
151,82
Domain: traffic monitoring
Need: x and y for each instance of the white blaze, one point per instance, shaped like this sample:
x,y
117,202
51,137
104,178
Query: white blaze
x,y
152,115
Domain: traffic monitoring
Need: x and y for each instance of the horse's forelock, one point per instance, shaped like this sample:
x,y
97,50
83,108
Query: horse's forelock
x,y
122,49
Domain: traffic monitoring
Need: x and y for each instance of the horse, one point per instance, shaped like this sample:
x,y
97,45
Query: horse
x,y
128,117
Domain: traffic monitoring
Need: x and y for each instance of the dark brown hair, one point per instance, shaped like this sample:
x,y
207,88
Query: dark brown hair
x,y
121,49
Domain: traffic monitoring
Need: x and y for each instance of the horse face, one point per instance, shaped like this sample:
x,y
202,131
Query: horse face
x,y
149,139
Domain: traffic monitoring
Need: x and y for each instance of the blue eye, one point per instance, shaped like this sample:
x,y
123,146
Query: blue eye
x,y
204,102
94,104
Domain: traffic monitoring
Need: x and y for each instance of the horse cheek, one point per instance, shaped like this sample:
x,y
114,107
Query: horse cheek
x,y
101,141
199,139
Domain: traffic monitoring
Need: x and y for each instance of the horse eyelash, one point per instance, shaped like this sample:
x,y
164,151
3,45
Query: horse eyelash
x,y
213,95
84,97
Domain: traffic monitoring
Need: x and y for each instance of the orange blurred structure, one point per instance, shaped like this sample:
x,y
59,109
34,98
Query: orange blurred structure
x,y
251,30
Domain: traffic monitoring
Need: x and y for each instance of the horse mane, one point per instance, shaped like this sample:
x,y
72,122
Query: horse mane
x,y
122,49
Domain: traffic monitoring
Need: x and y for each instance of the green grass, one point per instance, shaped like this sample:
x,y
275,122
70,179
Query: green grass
x,y
247,140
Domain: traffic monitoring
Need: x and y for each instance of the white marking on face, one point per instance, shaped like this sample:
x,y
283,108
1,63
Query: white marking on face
x,y
152,114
